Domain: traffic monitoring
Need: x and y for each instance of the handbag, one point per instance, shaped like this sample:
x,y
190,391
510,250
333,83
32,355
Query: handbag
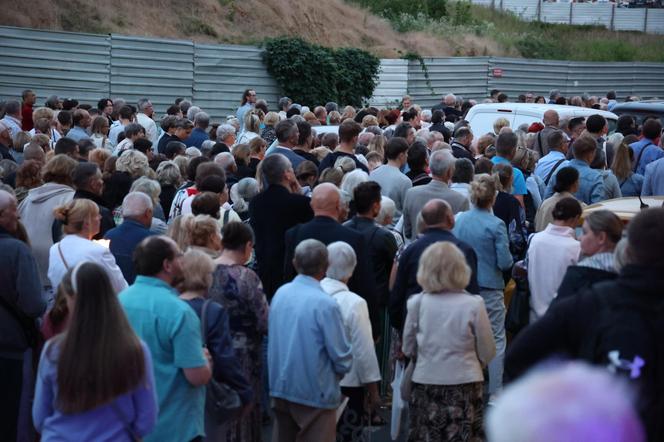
x,y
398,404
222,402
407,381
517,316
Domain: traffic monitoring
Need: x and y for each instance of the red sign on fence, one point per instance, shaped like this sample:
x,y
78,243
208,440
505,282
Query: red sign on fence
x,y
497,72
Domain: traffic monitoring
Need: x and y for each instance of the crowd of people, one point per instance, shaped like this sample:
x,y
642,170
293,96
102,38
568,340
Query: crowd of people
x,y
180,279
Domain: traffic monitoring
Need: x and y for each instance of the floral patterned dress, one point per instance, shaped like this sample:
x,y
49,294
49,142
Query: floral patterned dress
x,y
240,291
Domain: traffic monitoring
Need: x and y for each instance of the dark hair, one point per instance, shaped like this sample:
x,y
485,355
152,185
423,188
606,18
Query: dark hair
x,y
607,222
143,145
483,165
502,97
82,174
348,130
126,112
625,125
417,155
305,132
395,147
236,235
114,363
652,128
168,122
438,116
150,254
212,183
133,129
365,195
646,237
506,144
504,172
101,104
566,177
65,118
173,110
193,165
306,169
173,148
402,130
566,208
246,94
207,169
463,171
611,95
206,203
462,132
409,115
284,130
85,146
274,167
599,161
595,123
556,139
65,146
582,146
293,110
69,103
575,122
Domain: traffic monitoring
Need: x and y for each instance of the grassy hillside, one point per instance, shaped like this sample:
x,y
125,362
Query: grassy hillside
x,y
388,28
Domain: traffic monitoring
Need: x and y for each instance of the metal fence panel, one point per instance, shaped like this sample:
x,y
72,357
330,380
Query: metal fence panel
x,y
648,80
655,23
592,14
629,19
526,9
522,75
223,72
148,67
464,76
599,78
61,63
556,12
392,83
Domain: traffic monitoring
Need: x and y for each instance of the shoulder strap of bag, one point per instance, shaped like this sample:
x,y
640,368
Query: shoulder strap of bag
x,y
548,177
539,143
204,310
127,425
227,215
62,257
638,159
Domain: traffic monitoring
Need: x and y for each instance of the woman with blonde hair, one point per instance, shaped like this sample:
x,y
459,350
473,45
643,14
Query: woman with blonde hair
x,y
630,182
99,156
180,230
448,333
252,127
134,163
257,148
377,144
80,223
205,235
99,133
268,134
487,235
349,112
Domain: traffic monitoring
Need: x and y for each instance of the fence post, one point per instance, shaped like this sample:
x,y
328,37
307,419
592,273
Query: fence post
x,y
570,13
613,17
645,21
539,10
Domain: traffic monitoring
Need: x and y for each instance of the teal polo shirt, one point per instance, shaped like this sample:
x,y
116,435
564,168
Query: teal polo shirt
x,y
171,330
519,185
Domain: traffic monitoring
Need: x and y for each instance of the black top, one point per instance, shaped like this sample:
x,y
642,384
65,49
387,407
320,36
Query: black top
x,y
418,177
461,151
271,213
440,127
508,209
107,221
5,153
578,278
406,284
166,196
382,247
331,158
163,142
307,156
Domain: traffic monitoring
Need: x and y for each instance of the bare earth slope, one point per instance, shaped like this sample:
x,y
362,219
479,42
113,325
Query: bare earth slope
x,y
332,23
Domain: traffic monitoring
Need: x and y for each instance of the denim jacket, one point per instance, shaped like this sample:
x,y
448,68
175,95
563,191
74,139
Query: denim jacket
x,y
591,184
487,235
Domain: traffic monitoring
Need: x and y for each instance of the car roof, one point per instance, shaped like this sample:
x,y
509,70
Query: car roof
x,y
538,108
645,106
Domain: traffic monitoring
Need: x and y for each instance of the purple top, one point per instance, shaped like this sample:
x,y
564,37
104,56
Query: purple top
x,y
139,408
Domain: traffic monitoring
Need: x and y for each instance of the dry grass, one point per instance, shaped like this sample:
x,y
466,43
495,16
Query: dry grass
x,y
332,23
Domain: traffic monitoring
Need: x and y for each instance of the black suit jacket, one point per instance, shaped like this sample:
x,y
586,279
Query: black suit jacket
x,y
272,212
406,280
328,230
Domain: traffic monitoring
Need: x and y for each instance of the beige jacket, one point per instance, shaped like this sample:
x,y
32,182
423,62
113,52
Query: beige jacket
x,y
451,335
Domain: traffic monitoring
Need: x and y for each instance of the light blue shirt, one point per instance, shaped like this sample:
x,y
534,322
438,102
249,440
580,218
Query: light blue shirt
x,y
632,186
519,185
172,331
294,158
13,124
653,184
487,235
652,153
591,183
546,164
77,134
241,111
308,350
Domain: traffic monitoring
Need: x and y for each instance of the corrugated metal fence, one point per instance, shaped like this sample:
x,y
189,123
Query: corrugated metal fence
x,y
601,14
88,67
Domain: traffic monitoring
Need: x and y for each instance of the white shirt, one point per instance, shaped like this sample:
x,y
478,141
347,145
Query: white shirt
x,y
76,249
551,251
151,132
355,313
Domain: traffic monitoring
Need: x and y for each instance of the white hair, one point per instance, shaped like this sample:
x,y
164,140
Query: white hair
x,y
341,261
225,130
450,99
242,192
192,111
573,401
440,162
148,186
225,160
353,179
135,204
192,152
426,115
387,210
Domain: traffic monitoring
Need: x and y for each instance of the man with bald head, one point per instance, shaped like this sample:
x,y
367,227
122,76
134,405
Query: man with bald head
x,y
436,220
325,227
551,122
21,303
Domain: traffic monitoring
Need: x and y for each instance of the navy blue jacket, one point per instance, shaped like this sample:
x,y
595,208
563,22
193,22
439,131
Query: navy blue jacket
x,y
124,240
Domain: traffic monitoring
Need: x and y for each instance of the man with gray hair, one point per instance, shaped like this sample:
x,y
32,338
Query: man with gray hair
x,y
227,161
199,134
13,118
284,103
144,118
450,109
441,164
288,136
308,351
226,134
137,218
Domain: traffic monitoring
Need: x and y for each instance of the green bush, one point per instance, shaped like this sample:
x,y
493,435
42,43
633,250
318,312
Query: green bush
x,y
310,74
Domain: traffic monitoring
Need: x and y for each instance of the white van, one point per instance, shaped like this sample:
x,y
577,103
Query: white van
x,y
482,116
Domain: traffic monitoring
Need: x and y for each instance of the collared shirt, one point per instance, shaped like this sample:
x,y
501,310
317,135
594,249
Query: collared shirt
x,y
14,125
600,261
653,183
519,186
651,153
393,184
172,331
308,351
241,111
294,158
549,254
151,132
548,162
487,235
77,134
591,184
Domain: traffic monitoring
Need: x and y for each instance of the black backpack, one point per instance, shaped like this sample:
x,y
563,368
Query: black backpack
x,y
627,338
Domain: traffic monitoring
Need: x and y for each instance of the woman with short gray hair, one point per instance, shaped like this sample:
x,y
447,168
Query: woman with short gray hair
x,y
170,178
364,372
